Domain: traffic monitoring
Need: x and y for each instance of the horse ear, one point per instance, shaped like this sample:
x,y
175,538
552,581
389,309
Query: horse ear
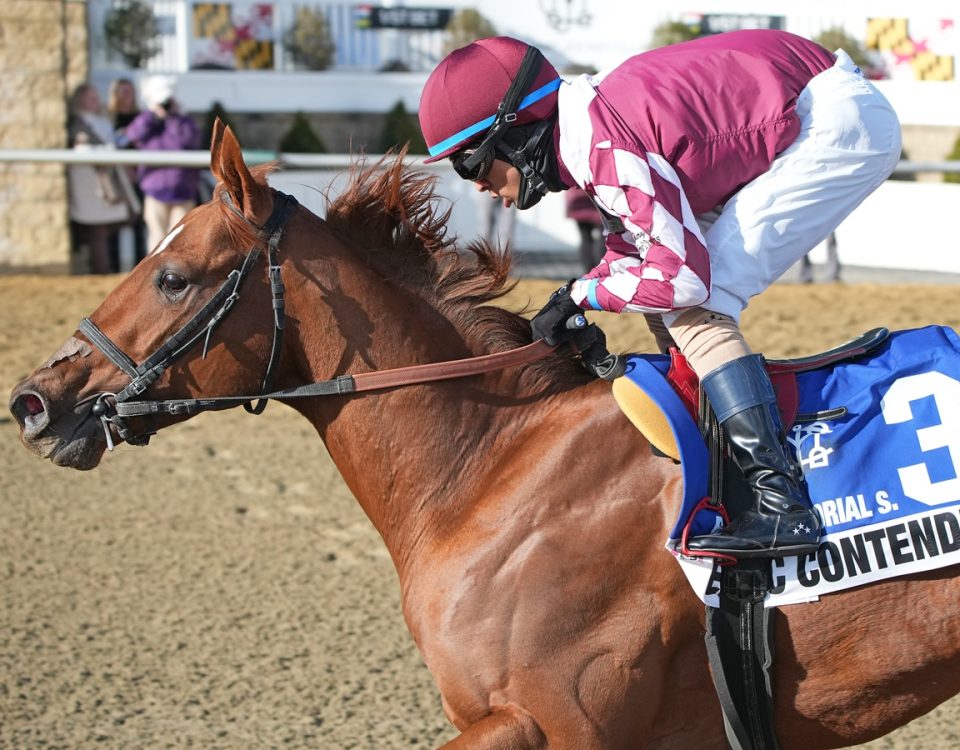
x,y
253,198
216,142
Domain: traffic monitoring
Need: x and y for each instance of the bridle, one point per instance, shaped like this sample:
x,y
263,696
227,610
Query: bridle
x,y
114,409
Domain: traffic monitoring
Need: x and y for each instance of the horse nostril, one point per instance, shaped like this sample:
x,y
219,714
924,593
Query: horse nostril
x,y
30,411
32,405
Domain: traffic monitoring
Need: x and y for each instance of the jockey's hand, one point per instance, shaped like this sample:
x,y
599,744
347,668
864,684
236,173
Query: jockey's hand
x,y
550,324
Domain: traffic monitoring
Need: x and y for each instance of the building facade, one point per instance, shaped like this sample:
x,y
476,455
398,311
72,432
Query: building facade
x,y
240,54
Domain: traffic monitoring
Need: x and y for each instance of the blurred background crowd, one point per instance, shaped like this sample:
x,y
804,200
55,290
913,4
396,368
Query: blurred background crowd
x,y
312,77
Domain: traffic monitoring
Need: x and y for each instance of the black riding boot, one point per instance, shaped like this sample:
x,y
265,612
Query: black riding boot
x,y
782,522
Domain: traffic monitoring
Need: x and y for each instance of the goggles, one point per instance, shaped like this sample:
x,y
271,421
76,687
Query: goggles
x,y
472,171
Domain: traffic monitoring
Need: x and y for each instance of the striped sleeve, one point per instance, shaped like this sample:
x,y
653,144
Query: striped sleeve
x,y
660,263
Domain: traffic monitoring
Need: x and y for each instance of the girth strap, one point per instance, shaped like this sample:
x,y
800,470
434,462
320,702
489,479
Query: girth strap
x,y
739,638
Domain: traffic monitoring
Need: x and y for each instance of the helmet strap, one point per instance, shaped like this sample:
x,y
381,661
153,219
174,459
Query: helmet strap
x,y
507,109
536,160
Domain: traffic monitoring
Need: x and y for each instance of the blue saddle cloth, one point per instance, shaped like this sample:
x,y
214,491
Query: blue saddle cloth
x,y
878,440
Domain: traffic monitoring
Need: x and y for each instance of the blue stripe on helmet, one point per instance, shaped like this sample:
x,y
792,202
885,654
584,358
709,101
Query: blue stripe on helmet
x,y
487,122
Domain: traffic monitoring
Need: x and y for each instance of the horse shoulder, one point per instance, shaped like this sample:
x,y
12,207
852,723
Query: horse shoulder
x,y
558,565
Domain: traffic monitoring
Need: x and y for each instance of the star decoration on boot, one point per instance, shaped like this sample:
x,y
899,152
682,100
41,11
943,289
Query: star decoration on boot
x,y
801,529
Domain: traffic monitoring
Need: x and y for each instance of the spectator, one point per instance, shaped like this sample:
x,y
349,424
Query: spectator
x,y
101,198
169,192
583,211
122,108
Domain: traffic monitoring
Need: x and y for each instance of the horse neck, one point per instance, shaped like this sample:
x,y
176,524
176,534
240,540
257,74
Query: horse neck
x,y
412,456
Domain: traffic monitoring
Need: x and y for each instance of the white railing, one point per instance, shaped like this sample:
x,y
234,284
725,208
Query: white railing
x,y
126,157
871,237
94,155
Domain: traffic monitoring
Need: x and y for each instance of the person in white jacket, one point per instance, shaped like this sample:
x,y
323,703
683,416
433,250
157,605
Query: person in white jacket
x,y
100,198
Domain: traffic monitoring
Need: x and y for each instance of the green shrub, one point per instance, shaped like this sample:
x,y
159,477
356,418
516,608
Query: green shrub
x,y
466,26
215,111
131,31
953,156
309,41
673,32
399,128
301,138
836,38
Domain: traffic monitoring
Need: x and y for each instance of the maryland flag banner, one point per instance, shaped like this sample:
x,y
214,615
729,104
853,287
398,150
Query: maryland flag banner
x,y
921,50
233,36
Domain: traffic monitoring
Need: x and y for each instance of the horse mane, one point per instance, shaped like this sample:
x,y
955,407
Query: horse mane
x,y
391,214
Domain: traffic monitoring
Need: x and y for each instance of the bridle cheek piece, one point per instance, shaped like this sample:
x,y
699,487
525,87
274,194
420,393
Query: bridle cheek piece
x,y
114,409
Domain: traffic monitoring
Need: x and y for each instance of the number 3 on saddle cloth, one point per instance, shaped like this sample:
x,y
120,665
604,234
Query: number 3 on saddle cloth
x,y
875,428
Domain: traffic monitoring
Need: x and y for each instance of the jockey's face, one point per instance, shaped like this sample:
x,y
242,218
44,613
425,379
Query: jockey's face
x,y
502,181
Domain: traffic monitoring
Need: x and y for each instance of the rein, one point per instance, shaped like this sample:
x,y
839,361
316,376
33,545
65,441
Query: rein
x,y
347,384
114,409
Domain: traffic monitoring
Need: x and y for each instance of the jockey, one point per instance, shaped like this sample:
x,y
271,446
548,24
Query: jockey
x,y
717,164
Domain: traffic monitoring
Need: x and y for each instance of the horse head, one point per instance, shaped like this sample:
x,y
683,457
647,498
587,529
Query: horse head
x,y
377,284
163,330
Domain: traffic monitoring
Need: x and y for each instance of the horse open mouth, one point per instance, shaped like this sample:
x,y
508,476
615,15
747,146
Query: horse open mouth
x,y
73,438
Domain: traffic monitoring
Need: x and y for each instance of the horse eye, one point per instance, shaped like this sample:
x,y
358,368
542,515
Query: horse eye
x,y
172,282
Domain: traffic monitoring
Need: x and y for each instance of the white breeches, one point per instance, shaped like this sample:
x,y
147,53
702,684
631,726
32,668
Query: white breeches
x,y
849,143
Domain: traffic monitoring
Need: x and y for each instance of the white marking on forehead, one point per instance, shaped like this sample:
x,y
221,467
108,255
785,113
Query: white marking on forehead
x,y
168,239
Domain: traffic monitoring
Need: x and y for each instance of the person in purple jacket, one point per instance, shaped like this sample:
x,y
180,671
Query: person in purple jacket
x,y
718,163
169,192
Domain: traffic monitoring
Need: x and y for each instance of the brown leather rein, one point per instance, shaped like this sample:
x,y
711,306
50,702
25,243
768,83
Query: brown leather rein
x,y
346,384
457,368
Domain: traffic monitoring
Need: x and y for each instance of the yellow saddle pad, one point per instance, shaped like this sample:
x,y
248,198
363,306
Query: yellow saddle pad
x,y
646,416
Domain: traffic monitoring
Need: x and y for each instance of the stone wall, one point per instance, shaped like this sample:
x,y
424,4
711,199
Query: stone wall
x,y
43,55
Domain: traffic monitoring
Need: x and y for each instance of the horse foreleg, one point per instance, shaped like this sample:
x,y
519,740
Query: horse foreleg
x,y
504,729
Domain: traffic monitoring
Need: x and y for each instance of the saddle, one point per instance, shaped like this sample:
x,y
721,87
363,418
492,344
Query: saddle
x,y
661,396
739,636
783,375
648,416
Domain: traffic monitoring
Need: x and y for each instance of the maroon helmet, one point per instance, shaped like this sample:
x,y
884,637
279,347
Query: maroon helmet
x,y
462,97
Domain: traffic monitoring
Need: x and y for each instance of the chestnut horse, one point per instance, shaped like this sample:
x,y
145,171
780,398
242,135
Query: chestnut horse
x,y
524,514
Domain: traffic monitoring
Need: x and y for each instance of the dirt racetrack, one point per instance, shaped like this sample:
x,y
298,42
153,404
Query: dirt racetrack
x,y
221,589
